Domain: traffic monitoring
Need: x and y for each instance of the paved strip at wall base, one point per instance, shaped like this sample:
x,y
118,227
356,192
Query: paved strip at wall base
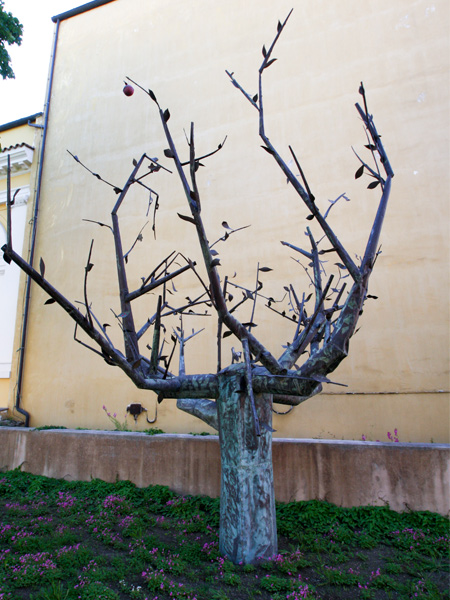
x,y
346,473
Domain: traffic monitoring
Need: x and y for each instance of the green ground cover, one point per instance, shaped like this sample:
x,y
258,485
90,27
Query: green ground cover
x,y
93,540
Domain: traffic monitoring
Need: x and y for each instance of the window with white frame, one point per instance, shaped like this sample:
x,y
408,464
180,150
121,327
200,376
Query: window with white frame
x,y
10,277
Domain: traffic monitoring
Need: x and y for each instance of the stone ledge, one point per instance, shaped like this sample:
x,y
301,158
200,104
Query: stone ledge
x,y
346,473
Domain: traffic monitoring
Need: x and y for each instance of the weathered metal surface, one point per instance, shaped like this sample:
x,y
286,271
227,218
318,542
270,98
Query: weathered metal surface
x,y
203,409
247,509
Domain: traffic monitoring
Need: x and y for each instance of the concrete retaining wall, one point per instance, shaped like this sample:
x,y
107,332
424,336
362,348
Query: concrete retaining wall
x,y
346,473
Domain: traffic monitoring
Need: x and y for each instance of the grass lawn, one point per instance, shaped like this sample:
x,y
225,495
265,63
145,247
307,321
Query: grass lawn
x,y
100,541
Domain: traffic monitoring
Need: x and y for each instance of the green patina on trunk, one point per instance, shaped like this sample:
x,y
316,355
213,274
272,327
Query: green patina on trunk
x,y
247,501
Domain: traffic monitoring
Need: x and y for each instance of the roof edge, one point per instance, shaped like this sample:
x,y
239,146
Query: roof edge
x,y
80,9
16,147
20,122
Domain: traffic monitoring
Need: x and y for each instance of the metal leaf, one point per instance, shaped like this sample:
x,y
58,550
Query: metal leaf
x,y
215,262
50,301
168,152
270,62
267,149
265,269
97,222
166,115
185,218
373,185
42,267
225,224
359,172
267,427
324,379
321,378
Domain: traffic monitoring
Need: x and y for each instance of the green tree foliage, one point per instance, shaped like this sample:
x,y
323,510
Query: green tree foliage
x,y
10,33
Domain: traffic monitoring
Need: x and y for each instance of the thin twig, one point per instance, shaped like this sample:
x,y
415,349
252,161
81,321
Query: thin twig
x,y
255,296
138,239
87,268
156,337
99,177
227,235
219,330
249,386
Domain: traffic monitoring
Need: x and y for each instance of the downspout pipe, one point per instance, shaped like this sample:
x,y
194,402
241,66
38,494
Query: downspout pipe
x,y
26,311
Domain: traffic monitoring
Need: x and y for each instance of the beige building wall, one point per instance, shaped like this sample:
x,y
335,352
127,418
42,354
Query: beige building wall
x,y
20,141
397,369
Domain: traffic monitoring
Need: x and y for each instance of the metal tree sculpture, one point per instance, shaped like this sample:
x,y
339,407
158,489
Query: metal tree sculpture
x,y
237,400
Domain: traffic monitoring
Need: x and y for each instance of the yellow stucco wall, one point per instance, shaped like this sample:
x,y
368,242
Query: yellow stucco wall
x,y
17,135
20,179
4,390
397,369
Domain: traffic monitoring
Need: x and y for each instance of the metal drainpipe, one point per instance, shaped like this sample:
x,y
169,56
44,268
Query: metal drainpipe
x,y
17,406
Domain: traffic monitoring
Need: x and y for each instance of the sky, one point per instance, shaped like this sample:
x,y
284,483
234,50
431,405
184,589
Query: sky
x,y
25,95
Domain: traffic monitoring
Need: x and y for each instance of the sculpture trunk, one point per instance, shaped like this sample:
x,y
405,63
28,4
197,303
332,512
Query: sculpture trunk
x,y
247,501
